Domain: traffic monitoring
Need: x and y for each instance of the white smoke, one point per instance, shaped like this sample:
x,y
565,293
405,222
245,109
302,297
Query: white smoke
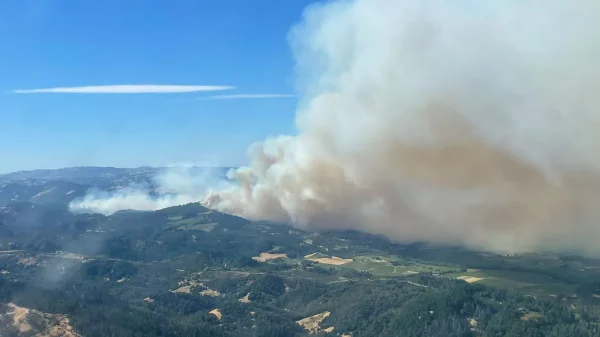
x,y
171,187
457,121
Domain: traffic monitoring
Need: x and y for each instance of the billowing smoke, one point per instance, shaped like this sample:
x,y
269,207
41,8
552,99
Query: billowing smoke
x,y
456,122
171,187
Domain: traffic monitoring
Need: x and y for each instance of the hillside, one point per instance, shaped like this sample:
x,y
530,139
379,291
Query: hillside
x,y
190,271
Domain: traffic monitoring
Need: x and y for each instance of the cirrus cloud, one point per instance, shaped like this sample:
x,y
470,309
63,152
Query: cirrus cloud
x,y
126,89
249,96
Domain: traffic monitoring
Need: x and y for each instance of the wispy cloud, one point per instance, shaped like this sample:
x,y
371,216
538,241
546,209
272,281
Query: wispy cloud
x,y
249,96
126,89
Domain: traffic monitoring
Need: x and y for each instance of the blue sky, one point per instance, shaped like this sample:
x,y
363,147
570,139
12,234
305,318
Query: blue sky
x,y
61,43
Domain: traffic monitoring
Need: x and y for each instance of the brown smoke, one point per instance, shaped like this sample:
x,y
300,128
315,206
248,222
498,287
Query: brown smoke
x,y
454,122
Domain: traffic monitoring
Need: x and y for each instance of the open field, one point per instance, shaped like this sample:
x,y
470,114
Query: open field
x,y
264,257
207,227
530,283
201,222
185,222
531,316
312,323
378,265
179,220
323,259
470,279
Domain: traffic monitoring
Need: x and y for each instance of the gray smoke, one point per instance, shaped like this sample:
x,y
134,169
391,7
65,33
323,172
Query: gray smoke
x,y
171,187
455,122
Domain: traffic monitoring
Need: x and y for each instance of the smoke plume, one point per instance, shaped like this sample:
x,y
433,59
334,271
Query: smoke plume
x,y
171,187
455,122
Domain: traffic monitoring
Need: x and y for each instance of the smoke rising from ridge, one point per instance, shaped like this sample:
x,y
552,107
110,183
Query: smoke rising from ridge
x,y
170,187
454,122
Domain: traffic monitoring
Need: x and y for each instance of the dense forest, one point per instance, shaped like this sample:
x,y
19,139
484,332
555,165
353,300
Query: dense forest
x,y
189,271
438,307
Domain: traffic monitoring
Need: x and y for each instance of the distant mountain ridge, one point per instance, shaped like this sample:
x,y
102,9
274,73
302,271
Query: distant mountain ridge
x,y
51,192
41,197
89,174
74,181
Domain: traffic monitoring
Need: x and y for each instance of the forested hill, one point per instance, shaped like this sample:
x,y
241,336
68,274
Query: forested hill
x,y
190,271
61,186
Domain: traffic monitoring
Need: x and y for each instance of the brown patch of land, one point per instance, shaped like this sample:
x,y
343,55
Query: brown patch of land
x,y
210,292
245,299
19,316
46,325
184,290
186,286
217,313
311,324
470,279
149,300
334,260
264,257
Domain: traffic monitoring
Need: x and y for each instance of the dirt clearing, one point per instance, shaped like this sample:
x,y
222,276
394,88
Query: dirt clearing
x,y
47,325
20,317
470,279
183,290
186,286
311,324
264,257
217,313
334,260
245,299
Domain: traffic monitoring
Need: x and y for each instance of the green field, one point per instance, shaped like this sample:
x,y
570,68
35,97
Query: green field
x,y
529,283
207,227
387,266
201,222
185,222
